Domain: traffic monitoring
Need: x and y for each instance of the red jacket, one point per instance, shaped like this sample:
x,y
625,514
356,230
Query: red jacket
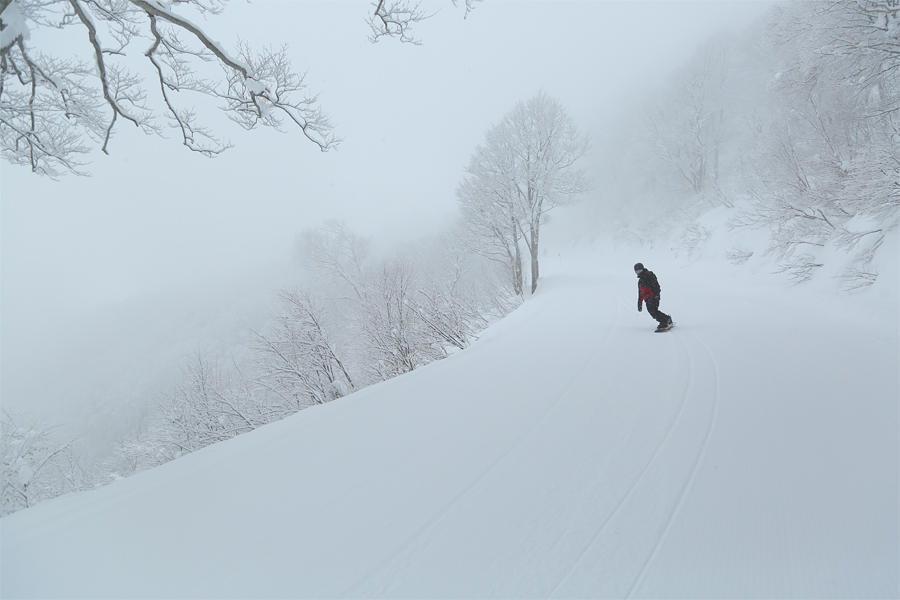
x,y
648,287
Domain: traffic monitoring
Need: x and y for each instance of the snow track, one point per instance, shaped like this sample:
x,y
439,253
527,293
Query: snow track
x,y
686,489
378,581
623,547
570,452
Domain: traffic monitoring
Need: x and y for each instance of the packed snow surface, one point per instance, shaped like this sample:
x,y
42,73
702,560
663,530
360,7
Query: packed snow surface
x,y
570,452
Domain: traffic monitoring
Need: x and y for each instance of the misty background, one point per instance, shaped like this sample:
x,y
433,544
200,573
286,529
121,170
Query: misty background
x,y
110,282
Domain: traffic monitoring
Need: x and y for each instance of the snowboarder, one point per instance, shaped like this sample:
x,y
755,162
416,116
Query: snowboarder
x,y
649,291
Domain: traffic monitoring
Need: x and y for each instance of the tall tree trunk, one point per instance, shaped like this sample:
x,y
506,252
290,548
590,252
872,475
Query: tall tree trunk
x,y
517,264
533,247
517,274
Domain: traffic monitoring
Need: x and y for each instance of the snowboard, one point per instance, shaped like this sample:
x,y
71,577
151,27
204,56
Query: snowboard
x,y
669,328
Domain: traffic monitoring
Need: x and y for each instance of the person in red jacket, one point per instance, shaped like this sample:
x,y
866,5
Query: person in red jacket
x,y
649,291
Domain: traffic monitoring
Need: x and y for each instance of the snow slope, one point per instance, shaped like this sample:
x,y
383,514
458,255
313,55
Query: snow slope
x,y
570,452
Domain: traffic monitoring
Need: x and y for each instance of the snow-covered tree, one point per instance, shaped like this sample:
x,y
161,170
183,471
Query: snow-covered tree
x,y
201,410
337,256
34,464
53,106
687,125
204,407
393,336
145,62
525,168
297,360
546,146
489,205
826,167
794,124
396,18
454,298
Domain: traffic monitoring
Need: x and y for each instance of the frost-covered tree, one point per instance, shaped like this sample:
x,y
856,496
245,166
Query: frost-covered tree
x,y
71,70
489,204
201,410
455,297
54,105
794,124
396,18
826,167
337,256
34,464
393,336
687,125
526,167
406,310
204,407
297,360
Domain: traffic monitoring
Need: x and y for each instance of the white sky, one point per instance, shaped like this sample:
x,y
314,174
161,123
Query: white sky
x,y
155,216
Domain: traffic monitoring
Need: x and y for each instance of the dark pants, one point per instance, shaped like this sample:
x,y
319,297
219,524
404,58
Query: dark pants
x,y
653,309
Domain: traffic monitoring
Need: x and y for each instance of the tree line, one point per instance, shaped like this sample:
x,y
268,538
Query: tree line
x,y
360,320
793,127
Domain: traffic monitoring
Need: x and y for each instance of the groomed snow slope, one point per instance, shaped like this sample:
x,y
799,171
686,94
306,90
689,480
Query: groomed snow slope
x,y
570,452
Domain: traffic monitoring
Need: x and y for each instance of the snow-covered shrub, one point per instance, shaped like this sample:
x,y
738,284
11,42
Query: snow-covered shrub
x,y
205,407
34,465
738,256
297,362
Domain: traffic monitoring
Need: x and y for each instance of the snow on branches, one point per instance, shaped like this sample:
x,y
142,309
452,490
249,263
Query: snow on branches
x,y
146,62
34,464
526,167
53,107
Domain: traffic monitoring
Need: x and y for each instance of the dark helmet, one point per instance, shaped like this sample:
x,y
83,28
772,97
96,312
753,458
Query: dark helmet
x,y
638,267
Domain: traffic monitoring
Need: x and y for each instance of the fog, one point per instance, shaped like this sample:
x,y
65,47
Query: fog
x,y
101,273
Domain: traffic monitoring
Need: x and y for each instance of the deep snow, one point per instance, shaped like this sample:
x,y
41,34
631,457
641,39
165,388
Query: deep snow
x,y
570,452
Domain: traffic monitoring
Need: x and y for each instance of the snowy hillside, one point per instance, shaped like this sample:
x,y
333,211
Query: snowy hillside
x,y
570,452
109,362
